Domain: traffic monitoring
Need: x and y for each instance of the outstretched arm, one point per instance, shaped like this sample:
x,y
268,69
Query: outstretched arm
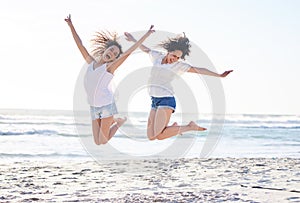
x,y
114,65
205,71
130,38
88,58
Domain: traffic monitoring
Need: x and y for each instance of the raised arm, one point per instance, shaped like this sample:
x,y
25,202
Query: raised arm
x,y
130,38
87,57
205,71
115,64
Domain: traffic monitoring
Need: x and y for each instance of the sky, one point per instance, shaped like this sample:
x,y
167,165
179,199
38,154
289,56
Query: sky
x,y
258,39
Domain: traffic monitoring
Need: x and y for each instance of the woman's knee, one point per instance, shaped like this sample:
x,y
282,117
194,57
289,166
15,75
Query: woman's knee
x,y
100,139
103,141
151,138
100,142
160,137
155,136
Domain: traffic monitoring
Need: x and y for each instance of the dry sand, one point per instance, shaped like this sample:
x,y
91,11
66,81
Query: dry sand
x,y
182,180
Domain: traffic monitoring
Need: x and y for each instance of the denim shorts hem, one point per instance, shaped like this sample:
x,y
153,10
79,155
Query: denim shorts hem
x,y
168,107
103,112
106,116
162,107
163,102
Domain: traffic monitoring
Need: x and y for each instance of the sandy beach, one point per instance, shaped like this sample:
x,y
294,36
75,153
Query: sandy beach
x,y
182,180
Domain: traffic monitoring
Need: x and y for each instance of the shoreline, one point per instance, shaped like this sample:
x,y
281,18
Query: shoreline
x,y
165,180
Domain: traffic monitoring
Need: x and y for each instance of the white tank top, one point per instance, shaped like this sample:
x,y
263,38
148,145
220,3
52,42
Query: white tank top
x,y
97,84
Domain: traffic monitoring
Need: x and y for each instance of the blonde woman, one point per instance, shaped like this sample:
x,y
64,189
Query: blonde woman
x,y
98,79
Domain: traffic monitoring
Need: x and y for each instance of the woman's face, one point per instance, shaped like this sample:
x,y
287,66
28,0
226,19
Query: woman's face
x,y
173,56
111,53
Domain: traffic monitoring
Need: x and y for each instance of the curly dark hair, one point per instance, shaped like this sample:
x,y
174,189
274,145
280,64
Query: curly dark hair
x,y
103,40
181,43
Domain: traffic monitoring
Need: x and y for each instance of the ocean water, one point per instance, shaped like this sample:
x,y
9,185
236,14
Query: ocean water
x,y
55,135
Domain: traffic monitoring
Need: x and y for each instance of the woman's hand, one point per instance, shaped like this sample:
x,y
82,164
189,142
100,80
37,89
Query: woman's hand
x,y
68,19
129,37
225,73
150,30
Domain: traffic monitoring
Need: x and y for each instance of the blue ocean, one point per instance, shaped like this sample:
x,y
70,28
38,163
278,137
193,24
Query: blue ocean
x,y
55,135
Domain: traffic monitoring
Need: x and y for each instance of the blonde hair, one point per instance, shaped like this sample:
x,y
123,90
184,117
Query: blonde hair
x,y
103,40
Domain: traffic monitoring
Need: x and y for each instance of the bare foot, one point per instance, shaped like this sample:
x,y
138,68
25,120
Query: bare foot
x,y
196,127
120,121
174,124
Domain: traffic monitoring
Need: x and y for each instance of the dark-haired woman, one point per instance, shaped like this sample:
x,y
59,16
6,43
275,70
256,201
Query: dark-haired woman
x,y
165,68
98,79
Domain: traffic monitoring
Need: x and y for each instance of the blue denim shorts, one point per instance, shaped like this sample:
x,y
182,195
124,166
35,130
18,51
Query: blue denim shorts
x,y
163,102
103,111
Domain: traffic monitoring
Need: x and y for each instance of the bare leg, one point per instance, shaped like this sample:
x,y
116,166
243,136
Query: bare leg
x,y
150,125
105,129
115,126
158,121
158,129
96,130
162,118
104,133
171,131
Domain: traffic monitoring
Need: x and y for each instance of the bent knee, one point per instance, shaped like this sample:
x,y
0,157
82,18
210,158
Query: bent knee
x,y
100,142
151,138
97,143
160,137
156,136
103,142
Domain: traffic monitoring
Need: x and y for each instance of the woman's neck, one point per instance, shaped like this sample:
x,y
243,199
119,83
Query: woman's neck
x,y
101,62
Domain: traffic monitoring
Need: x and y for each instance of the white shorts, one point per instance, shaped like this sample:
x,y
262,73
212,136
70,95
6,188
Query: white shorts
x,y
103,111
